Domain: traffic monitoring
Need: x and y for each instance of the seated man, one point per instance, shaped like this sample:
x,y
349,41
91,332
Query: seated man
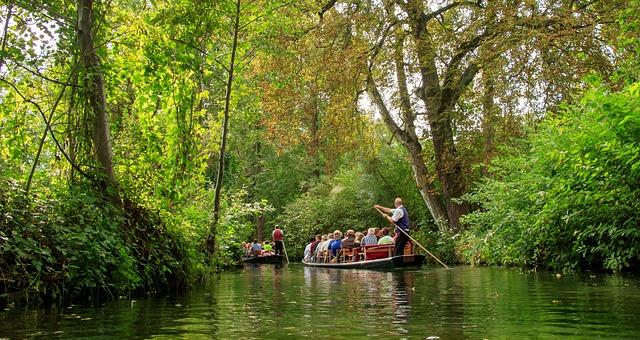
x,y
267,246
385,239
337,242
307,249
256,248
370,238
314,245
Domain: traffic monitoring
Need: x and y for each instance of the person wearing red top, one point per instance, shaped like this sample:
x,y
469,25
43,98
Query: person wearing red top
x,y
278,238
315,243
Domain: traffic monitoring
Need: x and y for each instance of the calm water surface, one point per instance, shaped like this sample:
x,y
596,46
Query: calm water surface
x,y
293,301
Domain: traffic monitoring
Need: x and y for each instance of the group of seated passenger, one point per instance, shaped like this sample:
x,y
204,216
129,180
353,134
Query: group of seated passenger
x,y
329,245
256,248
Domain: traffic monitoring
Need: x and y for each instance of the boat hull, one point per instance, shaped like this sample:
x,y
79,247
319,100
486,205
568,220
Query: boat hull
x,y
270,259
393,262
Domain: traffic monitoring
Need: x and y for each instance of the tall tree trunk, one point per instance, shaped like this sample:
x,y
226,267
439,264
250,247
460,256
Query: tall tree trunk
x,y
439,100
5,31
488,123
94,88
448,167
260,227
256,169
314,130
427,191
421,173
71,139
225,129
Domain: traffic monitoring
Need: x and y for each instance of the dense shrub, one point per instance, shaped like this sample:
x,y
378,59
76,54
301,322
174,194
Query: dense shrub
x,y
75,243
572,200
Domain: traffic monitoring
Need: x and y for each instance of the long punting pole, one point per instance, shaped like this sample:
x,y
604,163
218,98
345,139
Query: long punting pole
x,y
414,240
285,251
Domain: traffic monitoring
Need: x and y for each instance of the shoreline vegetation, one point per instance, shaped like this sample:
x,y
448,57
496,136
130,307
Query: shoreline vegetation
x,y
513,142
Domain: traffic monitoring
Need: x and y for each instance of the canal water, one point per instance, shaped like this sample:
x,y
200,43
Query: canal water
x,y
294,301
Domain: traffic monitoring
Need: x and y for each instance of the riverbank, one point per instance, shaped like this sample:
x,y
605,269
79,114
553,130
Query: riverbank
x,y
77,245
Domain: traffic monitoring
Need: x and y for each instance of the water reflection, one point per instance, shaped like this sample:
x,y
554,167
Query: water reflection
x,y
293,301
403,288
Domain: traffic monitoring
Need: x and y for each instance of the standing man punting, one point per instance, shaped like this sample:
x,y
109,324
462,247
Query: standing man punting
x,y
278,238
400,218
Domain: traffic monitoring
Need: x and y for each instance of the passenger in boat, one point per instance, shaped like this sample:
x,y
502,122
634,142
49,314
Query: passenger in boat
x,y
320,248
370,238
327,244
307,249
358,240
400,218
256,248
266,246
246,248
314,244
332,238
337,242
378,233
350,239
278,239
385,239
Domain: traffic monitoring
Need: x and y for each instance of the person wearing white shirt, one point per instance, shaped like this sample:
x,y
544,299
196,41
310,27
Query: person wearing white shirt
x,y
400,218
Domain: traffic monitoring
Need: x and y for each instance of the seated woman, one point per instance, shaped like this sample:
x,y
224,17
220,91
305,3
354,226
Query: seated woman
x,y
320,248
337,242
358,240
349,241
267,246
385,239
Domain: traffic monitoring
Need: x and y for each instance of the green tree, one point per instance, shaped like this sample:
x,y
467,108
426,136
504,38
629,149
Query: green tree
x,y
423,60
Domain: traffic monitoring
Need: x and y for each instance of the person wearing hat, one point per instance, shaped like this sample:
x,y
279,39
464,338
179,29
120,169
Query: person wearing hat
x,y
278,239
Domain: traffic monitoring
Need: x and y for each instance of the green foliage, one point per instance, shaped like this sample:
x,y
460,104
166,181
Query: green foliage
x,y
345,201
75,243
628,42
237,226
571,201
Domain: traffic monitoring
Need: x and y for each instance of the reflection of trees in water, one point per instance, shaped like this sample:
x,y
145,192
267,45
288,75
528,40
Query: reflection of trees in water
x,y
403,286
262,297
212,310
445,314
384,297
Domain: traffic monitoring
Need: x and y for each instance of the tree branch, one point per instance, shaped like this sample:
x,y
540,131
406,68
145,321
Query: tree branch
x,y
6,29
464,49
373,51
326,8
454,4
372,89
48,127
265,14
408,115
40,75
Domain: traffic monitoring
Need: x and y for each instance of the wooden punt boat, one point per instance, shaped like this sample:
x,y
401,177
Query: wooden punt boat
x,y
263,259
400,261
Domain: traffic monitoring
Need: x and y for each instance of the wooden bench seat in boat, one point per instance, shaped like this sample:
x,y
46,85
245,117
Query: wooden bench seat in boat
x,y
377,251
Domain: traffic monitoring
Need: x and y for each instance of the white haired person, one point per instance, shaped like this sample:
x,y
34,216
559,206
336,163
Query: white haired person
x,y
370,238
400,218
